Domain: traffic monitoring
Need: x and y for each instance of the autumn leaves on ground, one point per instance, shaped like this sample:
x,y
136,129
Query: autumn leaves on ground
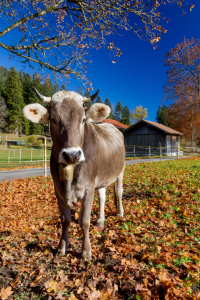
x,y
152,253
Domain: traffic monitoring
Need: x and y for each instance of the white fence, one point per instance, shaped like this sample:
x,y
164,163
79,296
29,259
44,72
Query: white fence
x,y
148,151
24,155
191,150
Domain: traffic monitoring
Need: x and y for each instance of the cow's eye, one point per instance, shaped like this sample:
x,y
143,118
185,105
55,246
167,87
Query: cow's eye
x,y
53,121
83,121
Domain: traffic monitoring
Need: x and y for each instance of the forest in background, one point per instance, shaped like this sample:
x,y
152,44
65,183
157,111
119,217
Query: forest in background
x,y
16,91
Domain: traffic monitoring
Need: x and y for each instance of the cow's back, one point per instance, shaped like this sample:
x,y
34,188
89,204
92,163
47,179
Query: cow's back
x,y
110,154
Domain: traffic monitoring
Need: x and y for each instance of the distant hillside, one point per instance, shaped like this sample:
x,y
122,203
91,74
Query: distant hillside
x,y
3,75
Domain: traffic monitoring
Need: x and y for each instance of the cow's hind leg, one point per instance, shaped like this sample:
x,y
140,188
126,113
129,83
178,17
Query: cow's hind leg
x,y
118,194
84,221
102,197
65,221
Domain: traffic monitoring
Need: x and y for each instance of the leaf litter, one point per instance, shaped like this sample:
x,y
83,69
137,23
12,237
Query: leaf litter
x,y
151,253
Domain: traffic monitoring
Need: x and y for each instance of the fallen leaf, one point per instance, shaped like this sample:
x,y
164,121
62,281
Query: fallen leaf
x,y
5,293
51,286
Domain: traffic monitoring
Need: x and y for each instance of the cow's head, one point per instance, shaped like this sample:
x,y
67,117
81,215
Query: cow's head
x,y
67,115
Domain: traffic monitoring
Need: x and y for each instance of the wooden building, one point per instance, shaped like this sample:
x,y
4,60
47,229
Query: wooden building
x,y
145,139
13,143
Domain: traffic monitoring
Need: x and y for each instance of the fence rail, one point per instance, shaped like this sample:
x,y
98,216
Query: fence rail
x,y
148,151
32,155
23,155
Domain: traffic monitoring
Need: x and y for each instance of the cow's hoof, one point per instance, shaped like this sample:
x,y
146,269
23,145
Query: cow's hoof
x,y
86,255
100,222
60,252
120,215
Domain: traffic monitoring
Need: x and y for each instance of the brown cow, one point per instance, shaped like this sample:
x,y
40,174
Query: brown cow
x,y
94,156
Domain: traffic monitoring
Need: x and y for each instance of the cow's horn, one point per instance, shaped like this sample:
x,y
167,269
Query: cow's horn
x,y
41,97
91,98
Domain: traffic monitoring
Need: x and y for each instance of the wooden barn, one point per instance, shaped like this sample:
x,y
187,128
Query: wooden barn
x,y
146,138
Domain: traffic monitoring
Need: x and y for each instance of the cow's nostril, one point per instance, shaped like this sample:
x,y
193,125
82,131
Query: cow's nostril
x,y
72,157
78,154
66,156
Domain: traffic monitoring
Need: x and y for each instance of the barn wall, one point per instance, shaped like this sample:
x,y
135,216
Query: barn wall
x,y
144,136
172,144
145,129
152,140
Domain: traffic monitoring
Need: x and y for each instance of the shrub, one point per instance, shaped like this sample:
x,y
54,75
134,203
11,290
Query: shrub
x,y
34,142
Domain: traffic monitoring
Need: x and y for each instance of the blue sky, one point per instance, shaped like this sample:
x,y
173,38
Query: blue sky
x,y
138,76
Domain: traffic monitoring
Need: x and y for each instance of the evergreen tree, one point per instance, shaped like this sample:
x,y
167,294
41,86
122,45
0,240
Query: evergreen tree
x,y
80,91
27,87
14,101
87,95
38,85
126,115
63,88
118,111
3,113
98,100
1,88
56,87
107,102
162,115
3,76
47,88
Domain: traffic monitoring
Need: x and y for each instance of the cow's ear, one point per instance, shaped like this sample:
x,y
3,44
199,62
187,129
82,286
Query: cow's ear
x,y
97,112
36,113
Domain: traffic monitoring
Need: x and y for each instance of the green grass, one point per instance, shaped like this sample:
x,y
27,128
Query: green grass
x,y
15,161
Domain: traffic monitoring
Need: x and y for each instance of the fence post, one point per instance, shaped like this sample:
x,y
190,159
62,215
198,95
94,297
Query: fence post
x,y
149,151
20,154
134,151
8,157
45,157
177,150
160,152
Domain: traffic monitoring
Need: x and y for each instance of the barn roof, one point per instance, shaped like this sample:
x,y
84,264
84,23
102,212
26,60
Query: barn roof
x,y
162,127
115,123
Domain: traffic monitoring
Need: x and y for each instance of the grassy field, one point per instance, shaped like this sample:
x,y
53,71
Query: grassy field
x,y
21,156
151,253
11,158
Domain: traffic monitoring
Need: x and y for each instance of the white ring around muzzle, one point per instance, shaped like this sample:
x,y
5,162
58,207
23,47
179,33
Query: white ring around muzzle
x,y
71,151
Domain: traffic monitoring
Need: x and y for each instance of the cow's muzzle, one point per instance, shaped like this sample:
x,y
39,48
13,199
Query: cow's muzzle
x,y
71,156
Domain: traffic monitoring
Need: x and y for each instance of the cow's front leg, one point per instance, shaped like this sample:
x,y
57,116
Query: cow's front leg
x,y
84,221
65,221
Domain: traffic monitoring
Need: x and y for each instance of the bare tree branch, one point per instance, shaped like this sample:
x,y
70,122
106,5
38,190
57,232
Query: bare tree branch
x,y
58,34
